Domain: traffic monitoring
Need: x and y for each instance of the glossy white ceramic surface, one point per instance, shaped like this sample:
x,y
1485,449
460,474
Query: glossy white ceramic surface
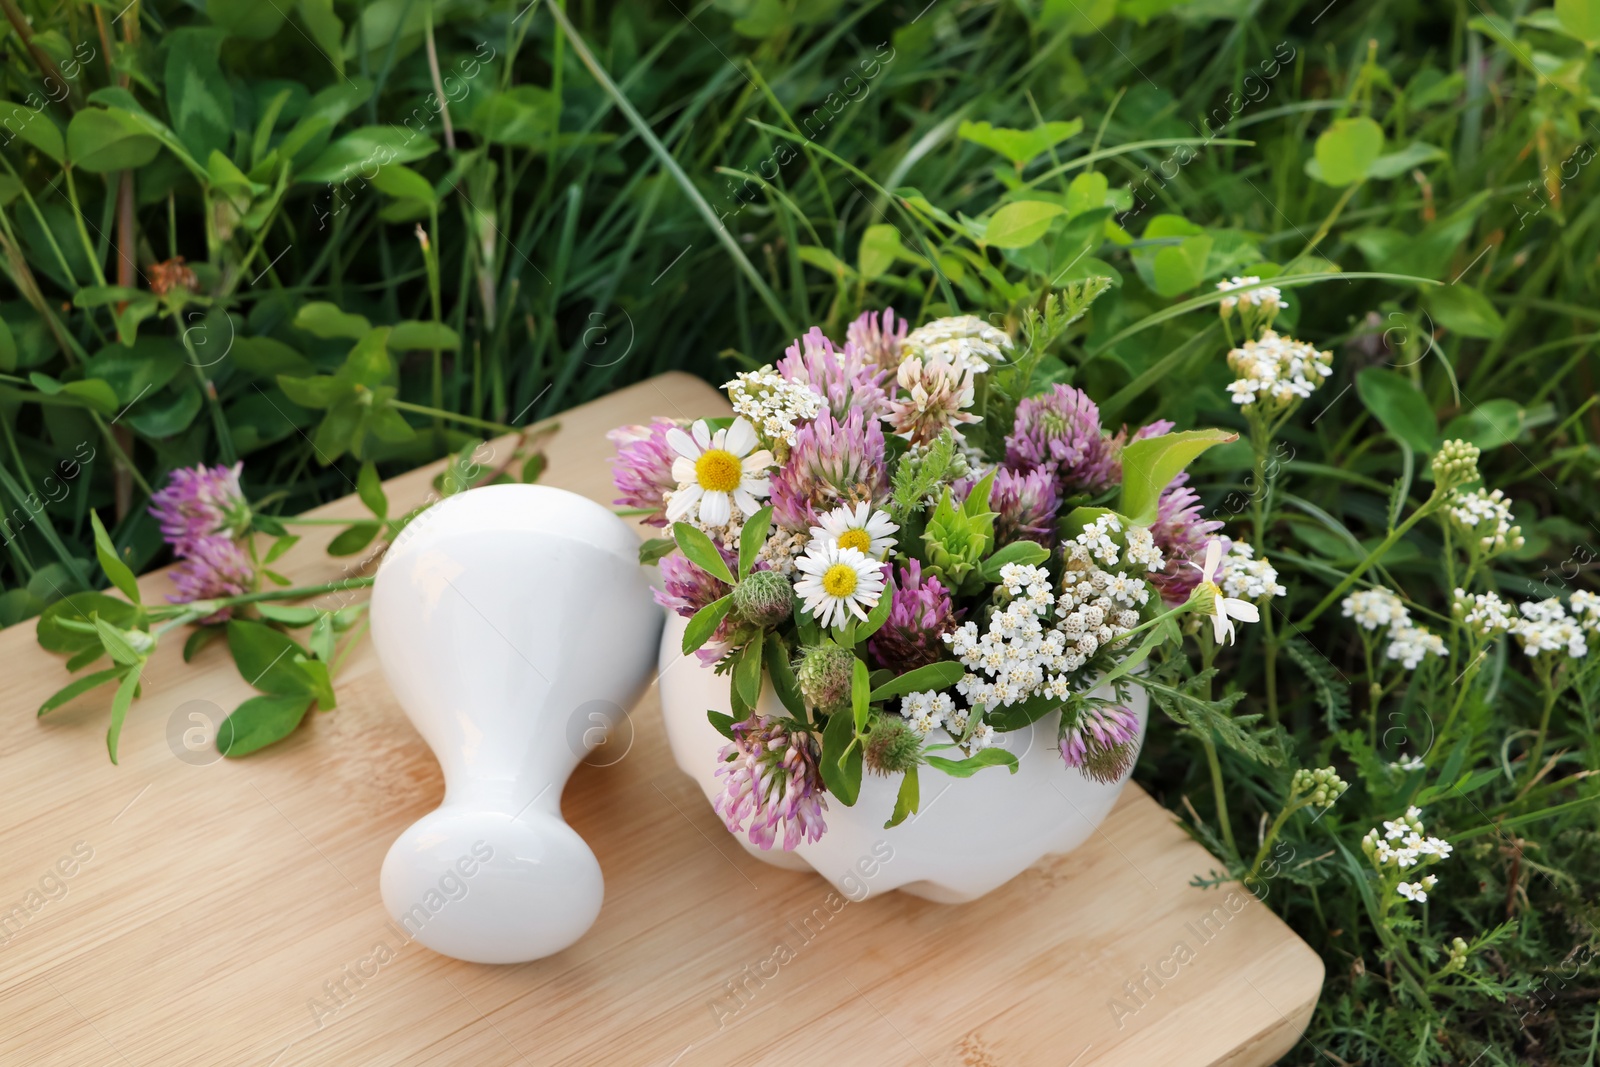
x,y
972,834
513,623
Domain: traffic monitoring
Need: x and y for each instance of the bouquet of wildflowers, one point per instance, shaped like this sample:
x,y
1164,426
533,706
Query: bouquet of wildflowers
x,y
920,539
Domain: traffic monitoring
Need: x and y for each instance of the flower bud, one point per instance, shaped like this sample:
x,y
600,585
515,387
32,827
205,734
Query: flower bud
x,y
1455,464
825,675
765,598
892,746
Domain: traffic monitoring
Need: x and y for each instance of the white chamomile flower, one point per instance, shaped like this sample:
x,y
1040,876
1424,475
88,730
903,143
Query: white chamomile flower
x,y
857,527
716,472
838,582
1224,608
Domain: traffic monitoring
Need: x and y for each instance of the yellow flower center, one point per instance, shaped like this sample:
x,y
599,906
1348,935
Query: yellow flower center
x,y
859,540
718,471
840,580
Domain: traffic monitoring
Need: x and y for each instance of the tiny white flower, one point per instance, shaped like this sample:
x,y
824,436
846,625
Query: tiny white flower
x,y
1224,608
838,582
858,527
1413,891
1410,763
716,472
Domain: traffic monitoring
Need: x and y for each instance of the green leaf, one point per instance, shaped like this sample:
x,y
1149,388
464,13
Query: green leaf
x,y
260,721
1021,223
1181,267
199,99
327,32
354,538
776,657
422,336
841,762
966,768
722,723
369,487
906,800
878,615
364,151
283,544
860,687
77,687
747,671
110,562
694,544
751,538
104,140
120,703
1400,407
525,116
1464,310
1490,424
1408,159
1027,553
34,127
1148,467
289,615
880,247
932,676
1346,150
254,20
265,658
705,623
325,320
80,609
117,643
1019,146
1580,19
403,183
656,548
1087,192
199,639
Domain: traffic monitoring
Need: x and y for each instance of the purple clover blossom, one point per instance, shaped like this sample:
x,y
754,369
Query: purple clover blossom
x,y
1024,504
876,337
848,379
212,566
642,468
687,589
1181,534
832,462
1102,742
770,777
1059,431
920,614
198,502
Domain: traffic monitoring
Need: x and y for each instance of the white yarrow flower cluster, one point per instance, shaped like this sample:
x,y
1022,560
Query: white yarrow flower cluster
x,y
1375,609
1486,517
927,710
1546,627
964,340
1014,659
773,403
1276,371
1267,297
1411,644
1401,845
1484,614
1247,578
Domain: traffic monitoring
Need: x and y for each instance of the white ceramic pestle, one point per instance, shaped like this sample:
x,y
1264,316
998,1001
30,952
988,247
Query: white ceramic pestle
x,y
514,624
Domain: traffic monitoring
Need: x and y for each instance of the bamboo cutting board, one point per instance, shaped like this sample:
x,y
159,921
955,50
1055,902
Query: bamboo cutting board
x,y
185,909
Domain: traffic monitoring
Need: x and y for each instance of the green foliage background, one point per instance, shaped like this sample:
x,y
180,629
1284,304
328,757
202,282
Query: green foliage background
x,y
382,276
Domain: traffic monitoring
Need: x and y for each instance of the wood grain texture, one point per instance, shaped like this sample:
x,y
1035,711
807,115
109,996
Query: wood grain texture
x,y
223,912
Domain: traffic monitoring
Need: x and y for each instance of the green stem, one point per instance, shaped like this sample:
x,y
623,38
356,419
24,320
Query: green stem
x,y
1544,729
202,608
420,409
1272,835
83,234
1372,557
1216,788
